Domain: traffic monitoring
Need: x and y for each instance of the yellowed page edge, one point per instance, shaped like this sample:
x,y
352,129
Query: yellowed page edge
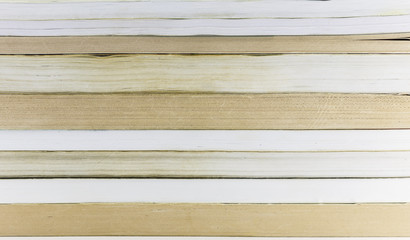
x,y
378,43
150,219
204,111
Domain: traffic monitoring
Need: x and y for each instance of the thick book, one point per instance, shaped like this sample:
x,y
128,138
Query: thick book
x,y
205,154
179,73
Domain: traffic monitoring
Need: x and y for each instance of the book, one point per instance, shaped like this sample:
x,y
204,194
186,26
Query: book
x,y
204,111
140,73
184,17
367,43
153,219
205,164
210,191
206,140
205,154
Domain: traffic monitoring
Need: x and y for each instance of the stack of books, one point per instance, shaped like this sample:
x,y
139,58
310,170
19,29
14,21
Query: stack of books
x,y
268,118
